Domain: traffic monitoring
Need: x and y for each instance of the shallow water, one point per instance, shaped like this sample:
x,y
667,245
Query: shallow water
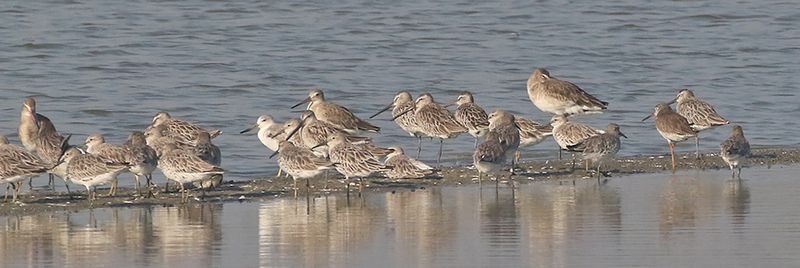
x,y
107,67
695,218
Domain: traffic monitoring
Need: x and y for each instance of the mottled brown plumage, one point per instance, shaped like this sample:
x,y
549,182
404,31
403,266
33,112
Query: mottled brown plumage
x,y
597,148
471,116
17,164
334,114
181,131
672,126
698,113
400,166
735,149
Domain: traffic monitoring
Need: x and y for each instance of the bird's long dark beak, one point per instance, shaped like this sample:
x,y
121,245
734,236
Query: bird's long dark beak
x,y
319,145
382,110
248,129
401,114
449,104
304,101
273,154
648,117
623,134
294,131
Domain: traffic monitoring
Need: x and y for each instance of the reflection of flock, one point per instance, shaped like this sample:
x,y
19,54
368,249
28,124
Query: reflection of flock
x,y
326,137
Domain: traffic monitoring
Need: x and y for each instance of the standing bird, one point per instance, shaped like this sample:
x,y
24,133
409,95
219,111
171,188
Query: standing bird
x,y
403,167
352,161
503,127
597,148
531,133
266,128
17,164
672,126
560,97
155,139
735,149
471,116
184,166
401,103
91,170
300,163
489,157
143,159
335,114
96,144
38,135
182,131
698,113
434,120
202,147
569,134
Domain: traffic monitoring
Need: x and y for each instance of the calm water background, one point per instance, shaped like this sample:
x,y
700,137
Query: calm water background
x,y
108,67
693,219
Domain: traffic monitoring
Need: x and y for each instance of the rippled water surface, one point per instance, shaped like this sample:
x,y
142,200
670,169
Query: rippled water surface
x,y
100,66
693,219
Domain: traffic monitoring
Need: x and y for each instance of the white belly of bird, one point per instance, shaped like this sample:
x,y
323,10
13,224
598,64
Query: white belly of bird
x,y
263,136
732,160
487,167
673,137
187,177
142,169
101,179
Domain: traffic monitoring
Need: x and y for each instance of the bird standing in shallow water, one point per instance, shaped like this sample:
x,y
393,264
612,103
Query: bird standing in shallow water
x,y
560,97
734,150
434,120
402,103
567,134
471,116
672,126
700,114
597,148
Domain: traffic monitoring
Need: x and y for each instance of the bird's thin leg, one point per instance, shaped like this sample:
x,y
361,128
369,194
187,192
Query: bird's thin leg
x,y
599,162
294,186
441,146
559,152
480,174
419,145
514,162
138,190
697,146
52,182
360,186
347,186
30,183
476,143
517,156
279,173
672,152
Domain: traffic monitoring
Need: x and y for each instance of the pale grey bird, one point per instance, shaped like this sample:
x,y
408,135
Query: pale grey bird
x,y
143,159
400,166
91,170
96,144
600,147
267,130
201,145
434,120
301,163
567,133
700,114
351,160
531,133
560,97
735,149
471,116
503,127
184,166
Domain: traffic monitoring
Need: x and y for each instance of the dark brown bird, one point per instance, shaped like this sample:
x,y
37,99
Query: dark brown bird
x,y
672,126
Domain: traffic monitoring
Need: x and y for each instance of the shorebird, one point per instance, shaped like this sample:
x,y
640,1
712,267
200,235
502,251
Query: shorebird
x,y
335,114
156,140
560,97
91,170
471,116
489,157
401,166
672,126
434,120
182,131
183,166
567,134
313,132
401,103
597,148
531,133
202,147
17,164
96,144
143,159
266,128
735,149
351,160
698,113
38,134
292,126
503,128
300,163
